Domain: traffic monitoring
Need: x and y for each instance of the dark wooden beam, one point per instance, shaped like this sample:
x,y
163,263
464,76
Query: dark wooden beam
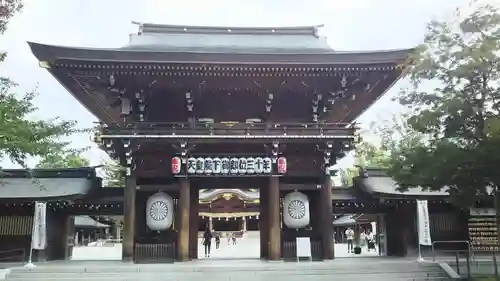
x,y
193,220
326,217
274,219
264,224
184,213
129,219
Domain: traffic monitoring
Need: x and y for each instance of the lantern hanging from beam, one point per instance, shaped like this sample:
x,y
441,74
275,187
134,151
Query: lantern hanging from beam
x,y
296,210
159,211
176,165
282,165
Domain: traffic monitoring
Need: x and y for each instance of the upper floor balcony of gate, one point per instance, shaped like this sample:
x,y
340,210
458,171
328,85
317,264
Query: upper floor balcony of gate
x,y
251,129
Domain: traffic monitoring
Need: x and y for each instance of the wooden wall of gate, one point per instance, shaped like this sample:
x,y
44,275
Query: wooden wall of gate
x,y
320,230
16,225
180,242
447,222
153,246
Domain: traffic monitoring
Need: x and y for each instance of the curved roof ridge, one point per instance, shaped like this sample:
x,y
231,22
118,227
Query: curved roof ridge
x,y
234,191
52,53
269,30
375,51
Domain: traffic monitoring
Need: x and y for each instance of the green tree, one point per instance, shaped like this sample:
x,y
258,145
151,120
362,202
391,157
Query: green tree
x,y
370,155
8,9
68,158
455,103
114,174
393,135
20,136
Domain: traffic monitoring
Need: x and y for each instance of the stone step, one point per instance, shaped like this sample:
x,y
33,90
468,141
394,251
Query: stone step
x,y
240,278
222,275
345,270
200,274
170,271
279,267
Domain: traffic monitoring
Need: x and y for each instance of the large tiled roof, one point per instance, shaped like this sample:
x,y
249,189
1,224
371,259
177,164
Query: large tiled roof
x,y
377,182
297,39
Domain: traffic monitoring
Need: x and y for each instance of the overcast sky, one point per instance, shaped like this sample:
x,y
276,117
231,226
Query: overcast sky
x,y
349,25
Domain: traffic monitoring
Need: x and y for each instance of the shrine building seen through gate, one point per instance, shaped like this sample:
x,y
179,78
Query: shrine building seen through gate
x,y
230,129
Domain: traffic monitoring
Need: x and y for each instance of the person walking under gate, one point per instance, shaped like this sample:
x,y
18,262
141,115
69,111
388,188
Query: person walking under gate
x,y
349,233
371,241
207,242
217,240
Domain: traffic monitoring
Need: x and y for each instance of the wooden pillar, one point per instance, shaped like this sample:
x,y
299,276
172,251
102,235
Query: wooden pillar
x,y
129,219
193,226
274,219
69,242
263,225
327,219
184,213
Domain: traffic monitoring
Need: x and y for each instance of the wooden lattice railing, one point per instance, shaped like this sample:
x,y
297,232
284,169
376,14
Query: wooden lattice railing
x,y
151,253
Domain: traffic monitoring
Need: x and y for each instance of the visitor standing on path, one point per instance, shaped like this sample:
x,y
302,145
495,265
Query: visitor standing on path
x,y
349,234
371,241
207,241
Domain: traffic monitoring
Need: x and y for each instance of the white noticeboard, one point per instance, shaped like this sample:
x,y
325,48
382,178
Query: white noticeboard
x,y
424,229
39,234
303,247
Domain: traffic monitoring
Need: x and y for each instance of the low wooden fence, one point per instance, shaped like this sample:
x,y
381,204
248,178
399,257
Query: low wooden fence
x,y
155,253
289,250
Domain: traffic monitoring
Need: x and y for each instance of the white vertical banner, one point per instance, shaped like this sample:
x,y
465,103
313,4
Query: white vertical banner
x,y
423,222
39,235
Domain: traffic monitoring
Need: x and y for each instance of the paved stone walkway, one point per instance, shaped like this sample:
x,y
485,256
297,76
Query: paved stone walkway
x,y
247,247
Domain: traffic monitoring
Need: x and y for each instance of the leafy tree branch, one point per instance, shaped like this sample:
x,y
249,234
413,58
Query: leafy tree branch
x,y
22,137
455,100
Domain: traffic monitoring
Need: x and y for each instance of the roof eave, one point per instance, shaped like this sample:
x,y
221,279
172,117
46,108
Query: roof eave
x,y
51,53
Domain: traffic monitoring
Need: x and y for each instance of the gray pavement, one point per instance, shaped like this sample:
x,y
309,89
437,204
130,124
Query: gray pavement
x,y
230,262
248,247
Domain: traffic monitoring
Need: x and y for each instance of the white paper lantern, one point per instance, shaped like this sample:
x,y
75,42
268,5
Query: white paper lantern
x,y
191,165
225,165
296,210
217,165
268,165
159,211
259,165
209,165
250,165
242,165
233,165
200,165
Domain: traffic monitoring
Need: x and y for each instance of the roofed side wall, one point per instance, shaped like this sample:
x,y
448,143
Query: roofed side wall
x,y
26,188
